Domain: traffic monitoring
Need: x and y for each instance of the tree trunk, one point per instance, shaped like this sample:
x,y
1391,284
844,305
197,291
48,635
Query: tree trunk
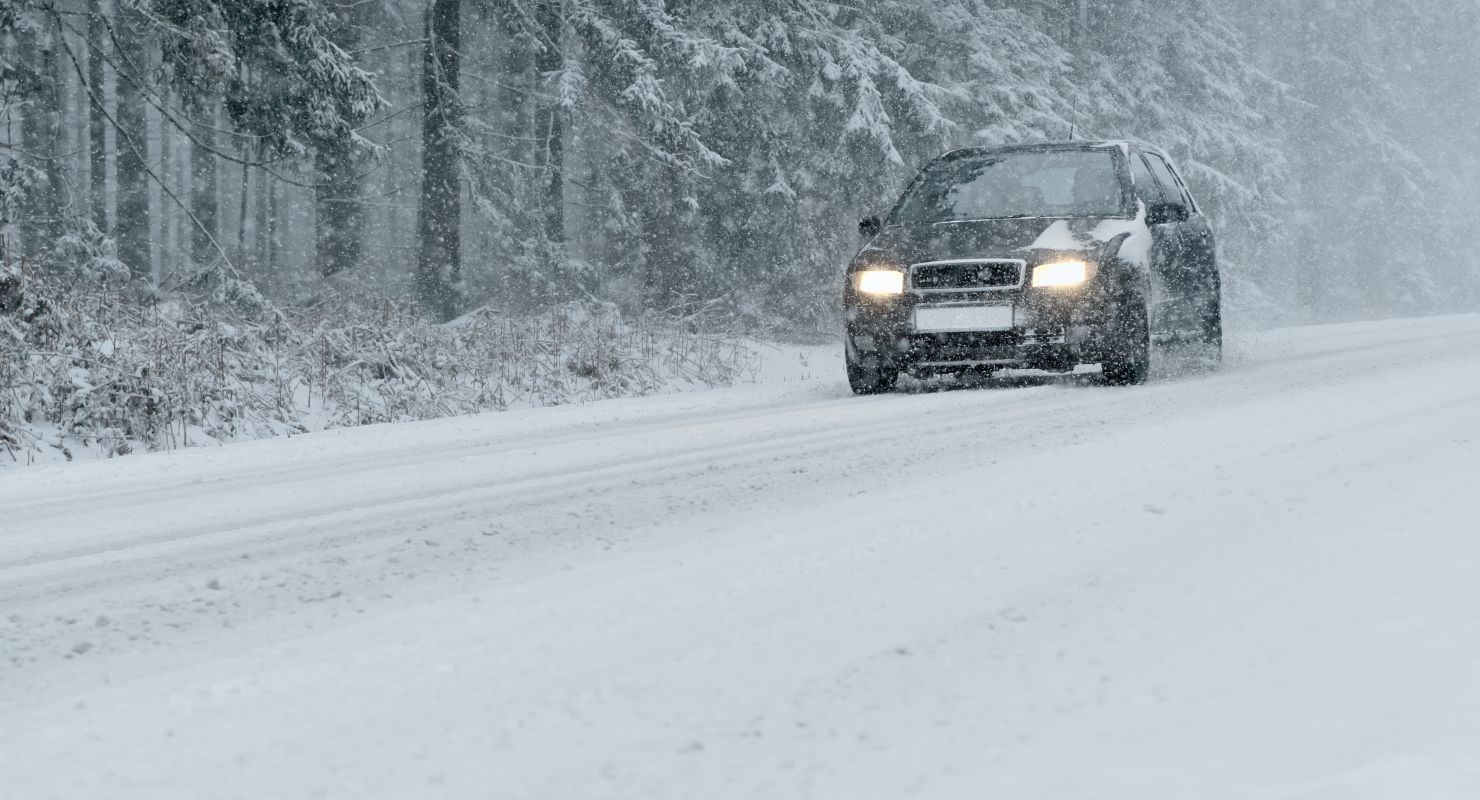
x,y
439,266
169,250
41,129
273,238
339,216
204,194
135,249
97,121
241,216
550,124
261,231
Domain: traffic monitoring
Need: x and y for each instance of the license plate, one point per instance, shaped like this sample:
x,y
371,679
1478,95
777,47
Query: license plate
x,y
960,319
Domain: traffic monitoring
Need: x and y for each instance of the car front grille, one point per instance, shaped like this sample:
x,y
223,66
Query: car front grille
x,y
964,275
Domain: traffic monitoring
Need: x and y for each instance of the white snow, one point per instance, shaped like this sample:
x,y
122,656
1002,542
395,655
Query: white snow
x,y
1258,583
1057,236
1136,249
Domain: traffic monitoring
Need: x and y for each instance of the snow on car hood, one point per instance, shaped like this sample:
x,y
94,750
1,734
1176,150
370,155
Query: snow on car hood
x,y
1009,238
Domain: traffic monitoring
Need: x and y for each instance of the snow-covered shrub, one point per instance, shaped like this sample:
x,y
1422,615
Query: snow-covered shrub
x,y
86,369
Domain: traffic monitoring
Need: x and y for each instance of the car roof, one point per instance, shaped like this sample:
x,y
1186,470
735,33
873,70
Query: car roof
x,y
1124,145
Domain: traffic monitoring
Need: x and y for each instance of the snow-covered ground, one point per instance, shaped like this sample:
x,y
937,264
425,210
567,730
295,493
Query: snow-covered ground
x,y
1260,583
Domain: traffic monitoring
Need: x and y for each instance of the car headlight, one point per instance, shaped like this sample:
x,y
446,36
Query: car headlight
x,y
1061,273
880,281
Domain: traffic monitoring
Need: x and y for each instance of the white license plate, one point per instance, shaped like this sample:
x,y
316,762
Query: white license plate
x,y
958,319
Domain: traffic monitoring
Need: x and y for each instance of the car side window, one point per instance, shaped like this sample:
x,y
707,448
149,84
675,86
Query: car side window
x,y
1147,190
1186,193
1175,191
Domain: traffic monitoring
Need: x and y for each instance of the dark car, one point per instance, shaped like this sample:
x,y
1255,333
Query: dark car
x,y
1041,256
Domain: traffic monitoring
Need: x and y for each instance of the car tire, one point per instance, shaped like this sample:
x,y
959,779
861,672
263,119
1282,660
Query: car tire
x,y
1129,361
1213,330
875,378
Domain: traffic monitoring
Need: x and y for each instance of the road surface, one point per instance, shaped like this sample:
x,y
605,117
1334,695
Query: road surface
x,y
1257,583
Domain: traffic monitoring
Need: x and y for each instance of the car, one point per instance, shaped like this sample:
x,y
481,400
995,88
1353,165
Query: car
x,y
1047,256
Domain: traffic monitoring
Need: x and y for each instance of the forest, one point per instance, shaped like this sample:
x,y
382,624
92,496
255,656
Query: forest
x,y
294,171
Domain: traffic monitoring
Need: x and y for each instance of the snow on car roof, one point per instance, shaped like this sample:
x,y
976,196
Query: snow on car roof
x,y
1060,144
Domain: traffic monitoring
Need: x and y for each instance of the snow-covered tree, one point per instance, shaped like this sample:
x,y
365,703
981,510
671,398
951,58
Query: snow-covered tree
x,y
289,90
679,153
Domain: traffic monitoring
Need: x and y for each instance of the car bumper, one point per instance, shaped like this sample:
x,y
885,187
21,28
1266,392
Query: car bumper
x,y
1054,332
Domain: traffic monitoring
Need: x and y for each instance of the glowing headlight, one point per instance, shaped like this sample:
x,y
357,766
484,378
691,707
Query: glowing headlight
x,y
880,281
1061,273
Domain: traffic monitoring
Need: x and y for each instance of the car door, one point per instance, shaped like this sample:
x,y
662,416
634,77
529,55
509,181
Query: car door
x,y
1166,250
1200,263
1181,314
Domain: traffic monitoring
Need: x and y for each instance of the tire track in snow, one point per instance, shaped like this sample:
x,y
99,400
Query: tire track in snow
x,y
527,485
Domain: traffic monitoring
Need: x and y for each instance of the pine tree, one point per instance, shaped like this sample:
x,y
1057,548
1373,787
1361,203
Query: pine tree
x,y
1357,191
288,91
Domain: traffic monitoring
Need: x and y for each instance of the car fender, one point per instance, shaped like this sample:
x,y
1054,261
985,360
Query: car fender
x,y
1122,279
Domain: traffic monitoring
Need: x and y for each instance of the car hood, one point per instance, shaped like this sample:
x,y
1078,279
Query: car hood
x,y
1026,239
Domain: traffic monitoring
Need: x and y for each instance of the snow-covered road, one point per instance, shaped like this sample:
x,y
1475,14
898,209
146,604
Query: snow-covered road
x,y
1260,583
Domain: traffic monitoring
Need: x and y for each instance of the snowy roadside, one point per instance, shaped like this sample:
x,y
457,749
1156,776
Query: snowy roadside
x,y
88,377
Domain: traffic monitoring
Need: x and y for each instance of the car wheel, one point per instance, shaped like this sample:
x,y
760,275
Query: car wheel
x,y
1129,360
1213,330
871,376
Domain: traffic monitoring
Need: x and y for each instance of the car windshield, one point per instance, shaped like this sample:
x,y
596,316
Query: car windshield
x,y
1056,183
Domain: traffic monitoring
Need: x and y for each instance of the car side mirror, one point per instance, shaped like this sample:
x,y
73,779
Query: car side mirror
x,y
1165,213
869,227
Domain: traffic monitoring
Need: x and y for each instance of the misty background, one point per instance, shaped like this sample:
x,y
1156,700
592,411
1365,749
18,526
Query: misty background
x,y
662,153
